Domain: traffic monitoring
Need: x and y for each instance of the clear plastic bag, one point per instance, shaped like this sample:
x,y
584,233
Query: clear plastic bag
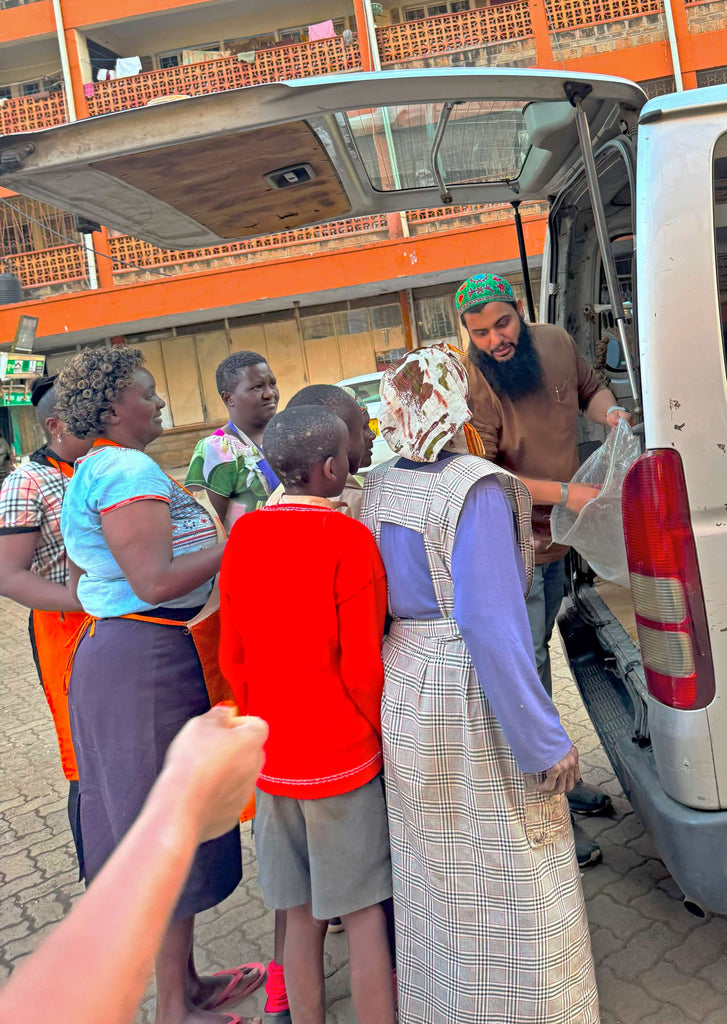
x,y
597,533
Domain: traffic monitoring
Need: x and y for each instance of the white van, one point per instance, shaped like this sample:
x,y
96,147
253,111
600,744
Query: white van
x,y
635,269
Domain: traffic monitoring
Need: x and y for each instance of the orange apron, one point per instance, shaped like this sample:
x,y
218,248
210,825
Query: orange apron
x,y
53,632
204,629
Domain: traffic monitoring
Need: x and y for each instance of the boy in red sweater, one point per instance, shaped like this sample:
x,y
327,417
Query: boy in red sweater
x,y
301,648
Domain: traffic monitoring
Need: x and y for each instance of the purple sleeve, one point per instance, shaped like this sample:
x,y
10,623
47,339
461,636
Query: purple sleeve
x,y
489,607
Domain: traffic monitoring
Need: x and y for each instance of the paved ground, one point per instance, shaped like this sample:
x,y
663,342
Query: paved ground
x,y
656,964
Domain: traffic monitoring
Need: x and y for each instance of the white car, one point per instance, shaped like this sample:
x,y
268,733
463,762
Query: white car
x,y
366,389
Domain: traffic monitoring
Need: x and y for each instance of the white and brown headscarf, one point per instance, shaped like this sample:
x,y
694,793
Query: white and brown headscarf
x,y
424,406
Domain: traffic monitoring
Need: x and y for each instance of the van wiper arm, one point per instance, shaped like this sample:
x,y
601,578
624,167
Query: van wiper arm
x,y
575,93
444,115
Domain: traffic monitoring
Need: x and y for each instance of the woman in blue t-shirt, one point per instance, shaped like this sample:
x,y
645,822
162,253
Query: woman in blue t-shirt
x,y
147,554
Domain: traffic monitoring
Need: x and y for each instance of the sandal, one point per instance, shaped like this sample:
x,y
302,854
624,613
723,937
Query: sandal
x,y
231,992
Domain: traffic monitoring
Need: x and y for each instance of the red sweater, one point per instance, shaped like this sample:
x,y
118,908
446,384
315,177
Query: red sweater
x,y
303,595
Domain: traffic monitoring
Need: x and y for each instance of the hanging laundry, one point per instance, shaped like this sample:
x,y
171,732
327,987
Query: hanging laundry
x,y
247,55
322,30
128,66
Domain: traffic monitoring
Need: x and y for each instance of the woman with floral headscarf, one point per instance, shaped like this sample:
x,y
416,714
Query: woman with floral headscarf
x,y
490,917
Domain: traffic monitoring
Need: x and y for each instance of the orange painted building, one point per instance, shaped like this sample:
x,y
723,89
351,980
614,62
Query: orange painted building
x,y
322,303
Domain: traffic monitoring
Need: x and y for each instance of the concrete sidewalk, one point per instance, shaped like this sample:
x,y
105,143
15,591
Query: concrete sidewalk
x,y
656,964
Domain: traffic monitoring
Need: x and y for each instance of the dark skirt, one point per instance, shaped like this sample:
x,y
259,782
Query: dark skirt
x,y
133,686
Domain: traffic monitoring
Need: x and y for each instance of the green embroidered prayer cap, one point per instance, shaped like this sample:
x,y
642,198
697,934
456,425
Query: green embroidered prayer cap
x,y
482,288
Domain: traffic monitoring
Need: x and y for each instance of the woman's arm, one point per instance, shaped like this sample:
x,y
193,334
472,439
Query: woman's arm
x,y
220,502
95,965
20,584
489,609
139,536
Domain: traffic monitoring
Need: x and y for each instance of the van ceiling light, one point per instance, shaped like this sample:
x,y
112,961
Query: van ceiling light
x,y
296,174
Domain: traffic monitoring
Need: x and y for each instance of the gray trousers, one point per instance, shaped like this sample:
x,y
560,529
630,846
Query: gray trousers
x,y
543,603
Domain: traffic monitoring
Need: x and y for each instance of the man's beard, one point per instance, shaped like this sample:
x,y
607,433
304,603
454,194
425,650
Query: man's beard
x,y
519,376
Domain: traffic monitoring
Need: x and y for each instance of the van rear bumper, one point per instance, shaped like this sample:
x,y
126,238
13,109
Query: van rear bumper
x,y
692,843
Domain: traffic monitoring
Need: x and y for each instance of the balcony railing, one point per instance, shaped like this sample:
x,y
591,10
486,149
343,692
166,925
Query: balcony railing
x,y
449,33
131,255
61,268
29,113
412,40
573,14
299,60
48,268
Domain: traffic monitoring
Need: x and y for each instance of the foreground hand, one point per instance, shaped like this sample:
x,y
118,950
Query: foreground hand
x,y
213,764
562,777
579,495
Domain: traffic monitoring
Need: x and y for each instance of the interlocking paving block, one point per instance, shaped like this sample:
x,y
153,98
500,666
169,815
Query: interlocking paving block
x,y
654,962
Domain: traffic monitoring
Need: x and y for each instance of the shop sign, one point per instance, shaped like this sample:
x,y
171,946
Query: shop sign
x,y
14,366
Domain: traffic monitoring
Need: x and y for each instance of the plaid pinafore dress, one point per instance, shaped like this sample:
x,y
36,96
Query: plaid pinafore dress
x,y
490,917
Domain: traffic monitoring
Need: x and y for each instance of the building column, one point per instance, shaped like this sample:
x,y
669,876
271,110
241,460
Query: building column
x,y
541,31
412,340
364,40
103,260
367,48
78,62
683,37
80,72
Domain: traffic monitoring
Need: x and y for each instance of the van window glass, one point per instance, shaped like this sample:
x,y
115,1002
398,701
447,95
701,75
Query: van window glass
x,y
483,141
720,228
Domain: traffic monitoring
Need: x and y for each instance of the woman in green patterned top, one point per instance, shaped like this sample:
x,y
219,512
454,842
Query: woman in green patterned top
x,y
229,464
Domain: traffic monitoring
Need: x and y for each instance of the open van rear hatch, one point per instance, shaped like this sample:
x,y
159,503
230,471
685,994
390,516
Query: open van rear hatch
x,y
209,169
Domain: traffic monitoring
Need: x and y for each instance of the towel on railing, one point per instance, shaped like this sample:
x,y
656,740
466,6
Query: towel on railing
x,y
321,30
248,56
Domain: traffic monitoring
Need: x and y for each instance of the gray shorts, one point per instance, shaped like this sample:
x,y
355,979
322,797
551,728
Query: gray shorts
x,y
333,852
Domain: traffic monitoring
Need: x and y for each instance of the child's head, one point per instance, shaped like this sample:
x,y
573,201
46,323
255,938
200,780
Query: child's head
x,y
307,449
339,402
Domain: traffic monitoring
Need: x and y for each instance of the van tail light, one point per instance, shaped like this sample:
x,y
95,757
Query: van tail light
x,y
665,584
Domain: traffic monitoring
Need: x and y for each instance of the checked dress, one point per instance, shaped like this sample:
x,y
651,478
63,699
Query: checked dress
x,y
490,917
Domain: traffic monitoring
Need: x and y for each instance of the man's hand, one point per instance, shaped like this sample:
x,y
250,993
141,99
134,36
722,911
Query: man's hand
x,y
213,764
579,495
562,777
619,414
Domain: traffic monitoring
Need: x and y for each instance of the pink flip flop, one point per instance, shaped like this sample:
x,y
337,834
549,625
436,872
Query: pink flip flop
x,y
237,974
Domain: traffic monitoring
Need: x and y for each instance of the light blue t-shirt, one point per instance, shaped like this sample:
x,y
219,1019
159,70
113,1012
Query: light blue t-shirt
x,y
107,478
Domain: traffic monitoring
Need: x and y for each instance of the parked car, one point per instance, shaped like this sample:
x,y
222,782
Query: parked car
x,y
366,389
635,268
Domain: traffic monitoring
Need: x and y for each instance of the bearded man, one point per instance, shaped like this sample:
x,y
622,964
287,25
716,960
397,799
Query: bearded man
x,y
528,383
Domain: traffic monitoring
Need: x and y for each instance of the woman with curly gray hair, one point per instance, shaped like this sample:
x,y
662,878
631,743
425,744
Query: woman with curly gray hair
x,y
147,554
